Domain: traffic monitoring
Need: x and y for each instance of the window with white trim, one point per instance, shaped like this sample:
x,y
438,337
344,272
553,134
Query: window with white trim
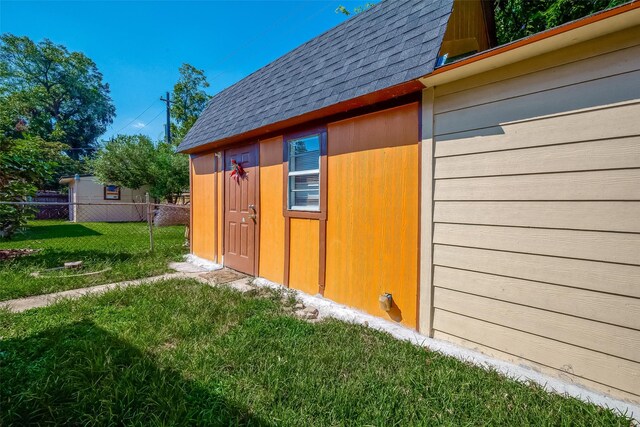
x,y
304,173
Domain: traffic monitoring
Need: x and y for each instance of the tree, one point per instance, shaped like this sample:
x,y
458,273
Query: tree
x,y
134,161
189,99
516,19
171,173
355,11
60,94
26,162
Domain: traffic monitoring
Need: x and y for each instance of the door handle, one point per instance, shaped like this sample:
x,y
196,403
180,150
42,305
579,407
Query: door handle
x,y
253,208
253,217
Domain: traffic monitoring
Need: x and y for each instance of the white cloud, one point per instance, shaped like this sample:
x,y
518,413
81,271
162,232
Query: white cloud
x,y
138,125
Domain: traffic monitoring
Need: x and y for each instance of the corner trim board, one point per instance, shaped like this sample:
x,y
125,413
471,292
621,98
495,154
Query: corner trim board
x,y
427,151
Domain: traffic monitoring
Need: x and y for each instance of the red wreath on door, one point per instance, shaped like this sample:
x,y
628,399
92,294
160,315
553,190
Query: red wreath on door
x,y
237,171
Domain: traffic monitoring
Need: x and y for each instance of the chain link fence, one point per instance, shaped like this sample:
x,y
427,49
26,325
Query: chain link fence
x,y
100,242
120,223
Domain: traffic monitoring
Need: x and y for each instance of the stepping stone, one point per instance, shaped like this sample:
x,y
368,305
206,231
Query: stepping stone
x,y
308,313
242,286
225,275
73,264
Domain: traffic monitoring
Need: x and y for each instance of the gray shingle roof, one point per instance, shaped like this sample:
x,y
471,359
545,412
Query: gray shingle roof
x,y
393,42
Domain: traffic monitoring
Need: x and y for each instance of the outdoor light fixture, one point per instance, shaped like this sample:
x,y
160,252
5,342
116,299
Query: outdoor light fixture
x,y
386,301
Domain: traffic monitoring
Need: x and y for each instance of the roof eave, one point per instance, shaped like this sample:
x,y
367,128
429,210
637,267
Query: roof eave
x,y
382,95
590,27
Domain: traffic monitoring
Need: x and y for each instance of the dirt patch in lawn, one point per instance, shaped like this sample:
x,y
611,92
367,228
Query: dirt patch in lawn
x,y
15,253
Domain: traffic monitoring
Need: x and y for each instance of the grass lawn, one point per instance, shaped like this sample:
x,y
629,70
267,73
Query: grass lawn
x,y
180,353
122,247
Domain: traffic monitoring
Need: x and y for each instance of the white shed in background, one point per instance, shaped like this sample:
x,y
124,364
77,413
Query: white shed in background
x,y
92,201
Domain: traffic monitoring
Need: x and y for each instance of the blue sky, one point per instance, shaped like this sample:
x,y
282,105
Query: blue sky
x,y
139,45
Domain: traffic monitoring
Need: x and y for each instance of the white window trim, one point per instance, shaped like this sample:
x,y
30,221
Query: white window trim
x,y
304,209
305,172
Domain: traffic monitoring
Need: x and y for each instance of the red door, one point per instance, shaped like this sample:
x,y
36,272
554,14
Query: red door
x,y
241,214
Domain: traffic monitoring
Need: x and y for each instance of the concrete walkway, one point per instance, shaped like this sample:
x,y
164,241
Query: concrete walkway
x,y
22,304
183,270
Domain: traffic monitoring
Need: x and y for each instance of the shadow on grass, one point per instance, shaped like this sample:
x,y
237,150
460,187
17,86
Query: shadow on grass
x,y
49,258
54,231
81,374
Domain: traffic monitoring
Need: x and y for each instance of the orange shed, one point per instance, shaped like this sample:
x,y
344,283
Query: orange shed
x,y
307,172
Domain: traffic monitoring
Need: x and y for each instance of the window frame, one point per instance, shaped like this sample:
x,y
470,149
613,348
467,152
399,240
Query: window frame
x,y
104,192
322,172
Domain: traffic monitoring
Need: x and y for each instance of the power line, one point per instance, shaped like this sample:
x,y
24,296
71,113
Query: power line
x,y
137,117
230,55
151,121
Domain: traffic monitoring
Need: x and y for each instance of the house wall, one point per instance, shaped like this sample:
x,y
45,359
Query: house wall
x,y
203,207
371,239
304,250
372,212
89,190
271,259
533,173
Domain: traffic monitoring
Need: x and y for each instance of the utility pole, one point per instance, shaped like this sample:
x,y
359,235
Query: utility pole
x,y
168,131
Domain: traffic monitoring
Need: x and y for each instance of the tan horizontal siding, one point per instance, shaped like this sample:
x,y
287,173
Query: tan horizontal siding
x,y
607,90
598,306
622,184
592,155
618,62
597,216
619,373
601,337
536,211
615,121
543,369
592,245
597,276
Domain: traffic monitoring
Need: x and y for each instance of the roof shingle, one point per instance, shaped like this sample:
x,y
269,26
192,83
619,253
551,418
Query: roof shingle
x,y
374,50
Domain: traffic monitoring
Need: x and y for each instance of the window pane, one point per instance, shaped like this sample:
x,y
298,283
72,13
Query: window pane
x,y
304,192
306,161
305,200
305,182
304,187
304,145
